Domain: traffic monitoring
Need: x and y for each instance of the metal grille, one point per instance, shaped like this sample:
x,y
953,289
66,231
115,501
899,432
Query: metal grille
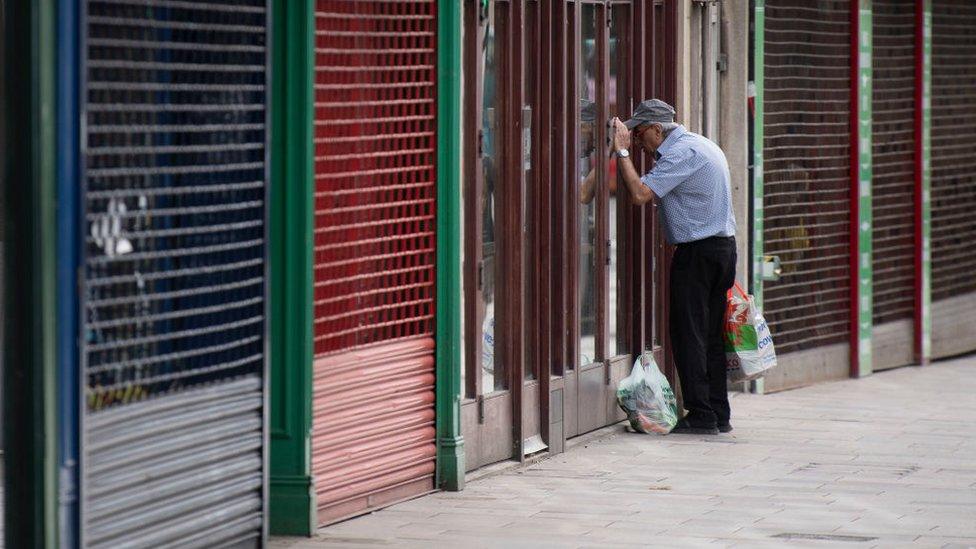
x,y
173,285
807,170
374,166
375,121
893,156
953,148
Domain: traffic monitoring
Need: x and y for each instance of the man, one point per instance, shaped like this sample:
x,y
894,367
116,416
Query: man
x,y
587,146
691,181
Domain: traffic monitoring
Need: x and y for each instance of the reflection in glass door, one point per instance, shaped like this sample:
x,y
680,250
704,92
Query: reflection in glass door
x,y
490,167
589,180
604,216
619,93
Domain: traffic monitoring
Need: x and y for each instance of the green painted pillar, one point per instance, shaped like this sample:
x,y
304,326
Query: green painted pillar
x,y
758,136
28,183
450,444
292,499
861,266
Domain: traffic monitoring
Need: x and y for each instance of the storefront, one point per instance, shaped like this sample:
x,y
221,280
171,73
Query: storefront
x,y
560,286
355,248
953,177
163,182
893,192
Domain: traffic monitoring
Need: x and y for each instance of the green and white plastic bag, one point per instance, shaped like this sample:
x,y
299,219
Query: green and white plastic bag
x,y
749,351
647,399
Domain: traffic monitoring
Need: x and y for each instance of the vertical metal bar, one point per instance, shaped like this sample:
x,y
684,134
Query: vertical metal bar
x,y
923,199
649,262
758,212
450,444
668,83
471,188
861,176
603,192
544,185
269,120
574,55
853,177
709,43
512,196
82,380
292,498
68,245
637,234
30,419
559,280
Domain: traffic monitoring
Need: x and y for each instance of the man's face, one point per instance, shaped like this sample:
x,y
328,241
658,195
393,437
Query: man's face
x,y
649,136
586,135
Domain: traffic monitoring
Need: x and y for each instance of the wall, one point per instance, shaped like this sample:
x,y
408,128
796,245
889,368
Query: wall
x,y
734,121
730,101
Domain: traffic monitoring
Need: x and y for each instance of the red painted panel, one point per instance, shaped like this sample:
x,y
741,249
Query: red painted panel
x,y
374,172
373,438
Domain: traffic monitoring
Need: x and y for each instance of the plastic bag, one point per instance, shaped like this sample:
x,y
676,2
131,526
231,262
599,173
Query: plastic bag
x,y
749,349
488,344
647,399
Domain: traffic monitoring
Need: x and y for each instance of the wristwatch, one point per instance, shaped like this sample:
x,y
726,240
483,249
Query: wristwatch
x,y
623,153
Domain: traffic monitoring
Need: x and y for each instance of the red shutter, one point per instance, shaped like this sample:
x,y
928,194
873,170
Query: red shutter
x,y
373,440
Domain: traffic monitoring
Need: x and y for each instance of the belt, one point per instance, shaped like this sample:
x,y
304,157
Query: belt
x,y
711,239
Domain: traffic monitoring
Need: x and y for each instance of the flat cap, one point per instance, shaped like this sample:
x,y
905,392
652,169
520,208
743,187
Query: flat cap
x,y
649,112
587,110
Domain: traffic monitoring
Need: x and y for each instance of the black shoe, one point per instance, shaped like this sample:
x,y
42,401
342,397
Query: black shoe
x,y
725,427
685,428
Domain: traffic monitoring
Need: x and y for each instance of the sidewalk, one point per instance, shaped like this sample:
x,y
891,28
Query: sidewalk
x,y
886,461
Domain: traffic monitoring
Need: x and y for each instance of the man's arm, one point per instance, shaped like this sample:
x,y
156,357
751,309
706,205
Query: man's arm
x,y
639,192
588,188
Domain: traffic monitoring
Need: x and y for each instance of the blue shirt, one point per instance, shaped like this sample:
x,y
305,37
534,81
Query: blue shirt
x,y
691,177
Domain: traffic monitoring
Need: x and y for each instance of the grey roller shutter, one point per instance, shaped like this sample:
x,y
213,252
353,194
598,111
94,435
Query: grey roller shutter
x,y
806,155
953,177
173,279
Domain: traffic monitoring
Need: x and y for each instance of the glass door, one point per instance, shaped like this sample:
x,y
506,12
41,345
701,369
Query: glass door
x,y
488,196
594,252
606,271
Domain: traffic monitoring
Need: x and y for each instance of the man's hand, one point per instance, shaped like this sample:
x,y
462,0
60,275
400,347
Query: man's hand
x,y
621,135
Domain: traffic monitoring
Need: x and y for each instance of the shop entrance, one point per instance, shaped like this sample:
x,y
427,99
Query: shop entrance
x,y
560,292
491,203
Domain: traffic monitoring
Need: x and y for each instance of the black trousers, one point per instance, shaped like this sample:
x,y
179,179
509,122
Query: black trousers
x,y
701,274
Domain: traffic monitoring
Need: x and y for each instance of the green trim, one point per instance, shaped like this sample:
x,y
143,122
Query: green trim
x,y
758,134
864,275
292,505
450,444
926,350
30,422
758,137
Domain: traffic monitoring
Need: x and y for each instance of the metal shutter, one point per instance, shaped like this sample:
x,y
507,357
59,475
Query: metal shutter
x,y
173,278
953,175
373,429
807,171
893,188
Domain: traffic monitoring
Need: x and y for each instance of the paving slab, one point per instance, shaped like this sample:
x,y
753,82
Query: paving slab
x,y
884,461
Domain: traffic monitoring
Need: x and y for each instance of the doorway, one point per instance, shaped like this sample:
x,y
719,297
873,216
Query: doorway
x,y
560,290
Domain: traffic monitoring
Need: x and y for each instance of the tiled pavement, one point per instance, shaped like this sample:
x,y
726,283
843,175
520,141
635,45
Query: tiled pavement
x,y
886,461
